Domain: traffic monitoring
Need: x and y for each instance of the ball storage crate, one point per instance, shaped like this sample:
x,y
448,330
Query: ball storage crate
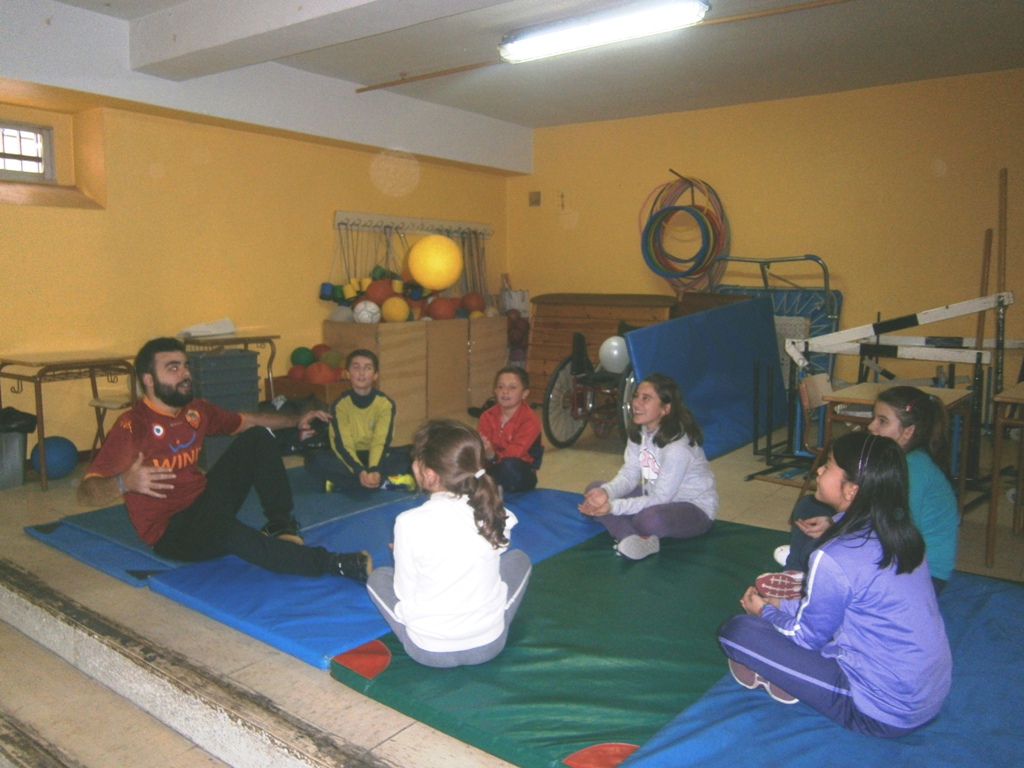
x,y
230,370
229,379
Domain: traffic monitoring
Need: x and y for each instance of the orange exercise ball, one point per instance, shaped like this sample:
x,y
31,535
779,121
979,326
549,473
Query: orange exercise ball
x,y
473,302
441,308
435,262
379,291
319,373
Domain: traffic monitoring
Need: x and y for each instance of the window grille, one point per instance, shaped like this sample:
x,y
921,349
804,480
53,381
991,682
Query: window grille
x,y
26,153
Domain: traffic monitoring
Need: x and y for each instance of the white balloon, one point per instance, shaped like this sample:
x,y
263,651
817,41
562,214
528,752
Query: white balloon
x,y
613,354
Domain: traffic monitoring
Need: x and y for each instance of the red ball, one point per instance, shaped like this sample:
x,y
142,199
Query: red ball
x,y
473,302
319,349
297,373
441,308
319,373
379,291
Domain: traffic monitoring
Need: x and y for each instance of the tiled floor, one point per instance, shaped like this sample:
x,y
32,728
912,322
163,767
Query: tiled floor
x,y
62,704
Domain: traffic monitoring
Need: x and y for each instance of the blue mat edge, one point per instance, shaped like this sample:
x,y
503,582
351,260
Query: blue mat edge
x,y
118,563
669,749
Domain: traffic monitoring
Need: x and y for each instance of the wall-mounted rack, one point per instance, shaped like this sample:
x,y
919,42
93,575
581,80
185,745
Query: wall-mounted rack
x,y
409,225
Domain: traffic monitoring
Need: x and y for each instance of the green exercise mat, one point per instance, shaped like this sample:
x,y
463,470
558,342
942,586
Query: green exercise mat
x,y
604,650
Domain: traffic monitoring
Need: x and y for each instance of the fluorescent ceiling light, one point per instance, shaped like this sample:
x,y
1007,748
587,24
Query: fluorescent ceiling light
x,y
600,29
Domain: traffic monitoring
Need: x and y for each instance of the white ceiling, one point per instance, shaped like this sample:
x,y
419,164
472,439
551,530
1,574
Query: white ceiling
x,y
747,51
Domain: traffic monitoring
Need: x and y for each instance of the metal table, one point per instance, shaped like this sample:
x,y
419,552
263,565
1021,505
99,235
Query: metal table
x,y
43,369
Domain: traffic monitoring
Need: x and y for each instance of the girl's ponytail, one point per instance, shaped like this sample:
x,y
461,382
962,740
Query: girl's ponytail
x,y
455,452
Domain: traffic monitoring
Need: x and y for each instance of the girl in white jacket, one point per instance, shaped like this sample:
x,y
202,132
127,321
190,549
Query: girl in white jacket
x,y
455,586
665,486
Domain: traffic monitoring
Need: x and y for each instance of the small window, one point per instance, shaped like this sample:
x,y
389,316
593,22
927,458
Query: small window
x,y
26,153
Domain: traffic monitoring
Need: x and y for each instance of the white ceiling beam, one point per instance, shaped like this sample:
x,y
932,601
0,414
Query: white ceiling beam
x,y
203,37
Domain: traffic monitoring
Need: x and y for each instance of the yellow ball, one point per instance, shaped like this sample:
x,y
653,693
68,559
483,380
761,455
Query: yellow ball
x,y
395,309
435,262
475,314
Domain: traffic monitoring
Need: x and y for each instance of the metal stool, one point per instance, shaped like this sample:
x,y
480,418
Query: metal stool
x,y
103,402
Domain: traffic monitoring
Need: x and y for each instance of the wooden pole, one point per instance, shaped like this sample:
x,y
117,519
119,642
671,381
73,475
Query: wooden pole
x,y
1001,242
971,441
986,265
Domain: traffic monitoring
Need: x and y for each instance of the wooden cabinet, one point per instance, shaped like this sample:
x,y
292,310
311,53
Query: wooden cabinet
x,y
430,368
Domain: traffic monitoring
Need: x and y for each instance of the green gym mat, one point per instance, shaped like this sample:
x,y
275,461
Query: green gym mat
x,y
603,653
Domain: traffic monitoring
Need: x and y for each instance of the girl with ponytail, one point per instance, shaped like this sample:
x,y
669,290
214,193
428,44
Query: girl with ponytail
x,y
455,586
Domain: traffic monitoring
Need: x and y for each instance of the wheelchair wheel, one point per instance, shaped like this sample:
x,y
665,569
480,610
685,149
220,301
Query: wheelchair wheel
x,y
627,386
560,425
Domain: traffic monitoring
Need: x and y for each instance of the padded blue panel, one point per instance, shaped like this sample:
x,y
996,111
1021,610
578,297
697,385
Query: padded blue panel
x,y
809,303
800,302
711,356
978,725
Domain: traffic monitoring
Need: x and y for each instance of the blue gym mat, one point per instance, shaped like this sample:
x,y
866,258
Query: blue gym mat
x,y
978,725
316,619
712,357
106,540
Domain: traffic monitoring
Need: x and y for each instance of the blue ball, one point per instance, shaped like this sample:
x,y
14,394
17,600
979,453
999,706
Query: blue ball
x,y
61,458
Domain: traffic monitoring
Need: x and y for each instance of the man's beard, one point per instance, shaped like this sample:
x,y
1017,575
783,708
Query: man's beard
x,y
172,396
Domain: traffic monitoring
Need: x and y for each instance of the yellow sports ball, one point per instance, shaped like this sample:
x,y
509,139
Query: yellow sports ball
x,y
395,310
435,262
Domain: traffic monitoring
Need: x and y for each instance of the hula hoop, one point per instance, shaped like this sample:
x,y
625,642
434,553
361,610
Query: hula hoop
x,y
659,259
702,269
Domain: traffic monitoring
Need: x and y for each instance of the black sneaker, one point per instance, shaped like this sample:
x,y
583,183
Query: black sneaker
x,y
286,530
354,565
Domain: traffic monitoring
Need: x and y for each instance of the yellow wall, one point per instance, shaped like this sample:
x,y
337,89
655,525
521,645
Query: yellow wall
x,y
201,222
892,187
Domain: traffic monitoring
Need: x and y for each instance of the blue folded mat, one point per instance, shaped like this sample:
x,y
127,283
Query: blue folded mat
x,y
979,724
106,540
315,619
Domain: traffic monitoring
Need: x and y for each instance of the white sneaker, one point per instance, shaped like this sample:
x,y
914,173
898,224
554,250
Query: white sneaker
x,y
782,554
638,547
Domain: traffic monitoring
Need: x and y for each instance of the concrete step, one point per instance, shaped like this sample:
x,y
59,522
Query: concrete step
x,y
53,715
218,719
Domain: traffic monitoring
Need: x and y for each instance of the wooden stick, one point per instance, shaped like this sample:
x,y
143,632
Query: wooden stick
x,y
986,262
427,76
1001,244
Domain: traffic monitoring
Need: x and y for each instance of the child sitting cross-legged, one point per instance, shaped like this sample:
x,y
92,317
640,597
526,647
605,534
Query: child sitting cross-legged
x,y
866,646
456,586
665,487
511,433
361,431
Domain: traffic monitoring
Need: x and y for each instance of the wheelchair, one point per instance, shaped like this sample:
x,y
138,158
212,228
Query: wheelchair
x,y
579,394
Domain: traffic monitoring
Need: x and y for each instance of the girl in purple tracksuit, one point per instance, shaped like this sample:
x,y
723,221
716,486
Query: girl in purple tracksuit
x,y
866,646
